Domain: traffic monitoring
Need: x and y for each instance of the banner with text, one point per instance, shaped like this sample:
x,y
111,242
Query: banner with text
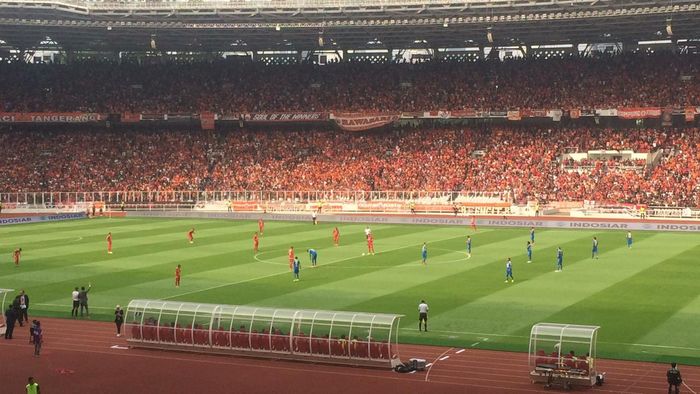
x,y
279,117
363,122
42,218
639,113
50,117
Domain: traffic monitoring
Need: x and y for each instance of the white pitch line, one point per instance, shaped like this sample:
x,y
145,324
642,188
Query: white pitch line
x,y
287,273
460,351
443,358
119,347
475,343
428,365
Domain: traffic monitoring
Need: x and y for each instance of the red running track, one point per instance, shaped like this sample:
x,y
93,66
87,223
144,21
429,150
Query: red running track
x,y
78,358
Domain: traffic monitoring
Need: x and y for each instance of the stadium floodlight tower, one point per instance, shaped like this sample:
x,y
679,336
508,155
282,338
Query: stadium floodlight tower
x,y
356,338
3,296
563,354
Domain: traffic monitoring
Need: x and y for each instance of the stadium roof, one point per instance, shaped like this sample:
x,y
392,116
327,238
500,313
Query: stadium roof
x,y
201,25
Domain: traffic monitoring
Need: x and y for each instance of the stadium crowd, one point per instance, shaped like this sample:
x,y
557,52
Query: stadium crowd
x,y
232,87
527,161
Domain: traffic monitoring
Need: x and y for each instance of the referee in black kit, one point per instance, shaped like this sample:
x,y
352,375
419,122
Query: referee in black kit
x,y
423,315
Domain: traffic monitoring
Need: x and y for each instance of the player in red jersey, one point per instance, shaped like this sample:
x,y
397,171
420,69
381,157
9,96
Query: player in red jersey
x,y
190,235
261,226
473,224
336,236
109,243
178,274
291,257
256,242
370,244
17,254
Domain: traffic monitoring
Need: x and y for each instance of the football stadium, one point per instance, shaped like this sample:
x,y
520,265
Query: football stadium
x,y
291,196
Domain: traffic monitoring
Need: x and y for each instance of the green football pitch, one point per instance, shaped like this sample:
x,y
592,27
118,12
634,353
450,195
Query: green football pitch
x,y
646,299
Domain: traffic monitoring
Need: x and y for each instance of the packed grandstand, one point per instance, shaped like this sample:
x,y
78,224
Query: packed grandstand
x,y
527,161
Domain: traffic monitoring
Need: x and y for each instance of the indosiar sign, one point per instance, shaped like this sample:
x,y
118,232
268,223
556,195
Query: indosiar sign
x,y
41,218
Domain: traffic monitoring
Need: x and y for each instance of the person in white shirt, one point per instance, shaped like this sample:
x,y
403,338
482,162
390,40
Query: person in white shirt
x,y
367,231
76,302
423,315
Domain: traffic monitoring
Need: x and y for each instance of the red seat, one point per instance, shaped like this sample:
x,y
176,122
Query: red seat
x,y
224,337
136,331
362,349
186,335
374,350
384,350
301,344
337,347
201,337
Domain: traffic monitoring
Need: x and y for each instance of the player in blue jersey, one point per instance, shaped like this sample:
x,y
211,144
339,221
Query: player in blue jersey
x,y
629,240
424,252
313,255
532,235
560,260
509,271
296,266
469,247
529,252
594,249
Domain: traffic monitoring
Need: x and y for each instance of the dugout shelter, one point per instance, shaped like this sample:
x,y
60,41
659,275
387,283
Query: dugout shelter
x,y
356,338
563,354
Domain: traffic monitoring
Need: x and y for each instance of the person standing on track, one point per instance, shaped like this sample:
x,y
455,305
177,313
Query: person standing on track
x,y
673,376
423,315
261,226
256,242
178,275
109,243
473,222
10,319
32,386
336,236
38,338
17,254
23,307
313,218
190,235
119,319
76,302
